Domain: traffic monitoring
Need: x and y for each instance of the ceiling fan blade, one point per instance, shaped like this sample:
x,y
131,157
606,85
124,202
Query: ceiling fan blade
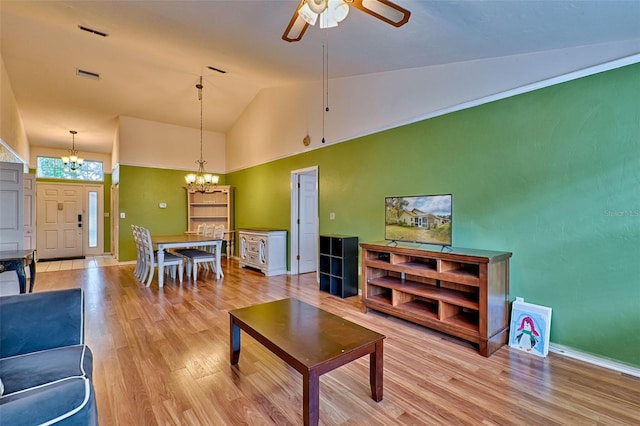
x,y
384,10
297,26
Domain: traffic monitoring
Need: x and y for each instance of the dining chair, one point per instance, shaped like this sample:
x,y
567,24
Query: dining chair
x,y
200,228
196,256
140,261
217,248
151,259
142,264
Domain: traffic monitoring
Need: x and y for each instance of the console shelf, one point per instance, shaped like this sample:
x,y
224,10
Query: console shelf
x,y
461,292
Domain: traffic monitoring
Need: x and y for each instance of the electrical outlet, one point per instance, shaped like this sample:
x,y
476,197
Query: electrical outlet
x,y
332,216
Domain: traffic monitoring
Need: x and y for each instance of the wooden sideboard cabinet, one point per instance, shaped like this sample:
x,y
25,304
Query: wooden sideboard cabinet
x,y
264,250
461,292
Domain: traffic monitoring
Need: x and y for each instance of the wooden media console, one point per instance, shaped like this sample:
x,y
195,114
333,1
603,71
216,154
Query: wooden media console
x,y
461,292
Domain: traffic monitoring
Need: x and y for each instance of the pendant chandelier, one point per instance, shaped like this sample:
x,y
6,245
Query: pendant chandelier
x,y
72,161
201,181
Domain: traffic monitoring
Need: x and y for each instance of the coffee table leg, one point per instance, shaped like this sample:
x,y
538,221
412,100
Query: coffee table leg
x,y
311,398
234,344
376,372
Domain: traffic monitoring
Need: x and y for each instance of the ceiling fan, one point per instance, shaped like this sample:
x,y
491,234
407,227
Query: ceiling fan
x,y
331,12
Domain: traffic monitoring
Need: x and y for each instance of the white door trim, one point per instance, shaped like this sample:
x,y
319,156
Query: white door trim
x,y
295,215
115,222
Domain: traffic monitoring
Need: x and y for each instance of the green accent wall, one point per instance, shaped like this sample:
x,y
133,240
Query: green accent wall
x,y
140,191
551,175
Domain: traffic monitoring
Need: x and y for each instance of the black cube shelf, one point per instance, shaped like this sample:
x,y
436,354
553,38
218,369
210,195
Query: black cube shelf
x,y
339,265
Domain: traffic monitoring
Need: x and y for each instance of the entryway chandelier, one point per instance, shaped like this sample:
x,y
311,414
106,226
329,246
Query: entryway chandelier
x,y
201,181
72,161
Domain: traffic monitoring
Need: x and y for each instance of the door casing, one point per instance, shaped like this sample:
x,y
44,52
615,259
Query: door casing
x,y
305,241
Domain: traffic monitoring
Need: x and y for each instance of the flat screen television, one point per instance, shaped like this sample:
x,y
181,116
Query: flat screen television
x,y
424,219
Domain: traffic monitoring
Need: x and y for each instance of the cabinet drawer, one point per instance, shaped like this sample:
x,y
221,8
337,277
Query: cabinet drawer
x,y
252,247
252,259
250,238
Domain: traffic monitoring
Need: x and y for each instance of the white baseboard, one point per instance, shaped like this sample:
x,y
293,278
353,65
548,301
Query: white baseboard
x,y
596,360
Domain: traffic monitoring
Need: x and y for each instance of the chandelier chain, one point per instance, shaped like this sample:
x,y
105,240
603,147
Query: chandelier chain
x,y
199,86
201,181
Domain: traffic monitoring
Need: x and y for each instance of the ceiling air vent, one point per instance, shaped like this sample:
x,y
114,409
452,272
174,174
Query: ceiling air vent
x,y
92,31
217,70
87,74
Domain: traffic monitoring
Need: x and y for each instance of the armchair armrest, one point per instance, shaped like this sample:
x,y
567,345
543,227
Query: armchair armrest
x,y
39,321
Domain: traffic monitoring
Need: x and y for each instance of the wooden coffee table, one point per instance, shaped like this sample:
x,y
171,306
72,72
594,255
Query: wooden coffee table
x,y
310,340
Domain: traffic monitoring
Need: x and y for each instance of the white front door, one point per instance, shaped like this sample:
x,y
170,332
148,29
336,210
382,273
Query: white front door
x,y
59,217
11,206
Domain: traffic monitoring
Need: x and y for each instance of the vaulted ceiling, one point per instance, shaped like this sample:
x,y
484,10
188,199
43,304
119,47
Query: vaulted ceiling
x,y
155,51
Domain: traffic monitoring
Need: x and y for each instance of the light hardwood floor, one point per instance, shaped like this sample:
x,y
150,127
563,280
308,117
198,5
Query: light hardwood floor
x,y
161,357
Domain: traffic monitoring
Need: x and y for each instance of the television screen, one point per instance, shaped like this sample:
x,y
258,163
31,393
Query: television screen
x,y
419,219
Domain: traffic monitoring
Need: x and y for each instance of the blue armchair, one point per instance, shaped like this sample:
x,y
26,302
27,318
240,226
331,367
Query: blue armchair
x,y
45,366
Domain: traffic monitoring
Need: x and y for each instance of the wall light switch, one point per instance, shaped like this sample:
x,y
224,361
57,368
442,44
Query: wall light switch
x,y
332,216
163,205
122,215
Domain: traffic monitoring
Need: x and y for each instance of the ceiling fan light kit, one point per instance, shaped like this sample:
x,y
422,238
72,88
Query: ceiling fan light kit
x,y
306,13
317,6
332,12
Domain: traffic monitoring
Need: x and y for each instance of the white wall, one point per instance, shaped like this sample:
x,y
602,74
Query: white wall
x,y
11,127
152,144
275,123
115,150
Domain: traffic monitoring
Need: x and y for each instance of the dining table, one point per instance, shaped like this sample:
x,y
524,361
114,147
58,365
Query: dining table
x,y
185,240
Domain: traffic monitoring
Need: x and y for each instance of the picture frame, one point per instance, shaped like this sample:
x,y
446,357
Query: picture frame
x,y
530,327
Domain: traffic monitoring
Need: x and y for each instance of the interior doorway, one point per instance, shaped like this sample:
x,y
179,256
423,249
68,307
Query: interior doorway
x,y
304,220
